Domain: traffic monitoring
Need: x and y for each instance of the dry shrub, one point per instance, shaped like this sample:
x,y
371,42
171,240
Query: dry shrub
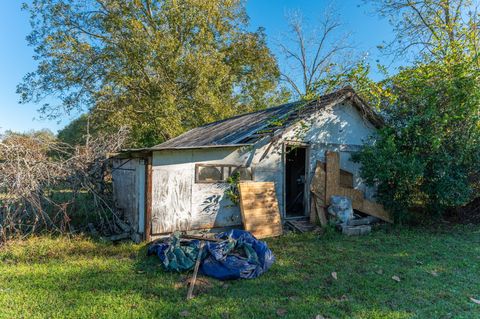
x,y
33,167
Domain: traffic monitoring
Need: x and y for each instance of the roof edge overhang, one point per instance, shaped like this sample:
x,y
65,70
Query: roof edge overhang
x,y
200,147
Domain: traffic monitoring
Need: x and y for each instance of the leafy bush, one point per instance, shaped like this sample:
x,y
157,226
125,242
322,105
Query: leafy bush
x,y
428,154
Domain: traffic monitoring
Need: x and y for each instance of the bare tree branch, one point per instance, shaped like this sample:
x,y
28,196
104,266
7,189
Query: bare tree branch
x,y
315,56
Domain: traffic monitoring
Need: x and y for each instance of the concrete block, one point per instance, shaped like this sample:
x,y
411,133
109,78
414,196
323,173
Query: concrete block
x,y
356,230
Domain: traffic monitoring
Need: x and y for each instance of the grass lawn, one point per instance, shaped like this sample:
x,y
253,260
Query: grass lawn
x,y
439,272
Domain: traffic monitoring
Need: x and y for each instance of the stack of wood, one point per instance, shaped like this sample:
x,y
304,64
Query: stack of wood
x,y
330,180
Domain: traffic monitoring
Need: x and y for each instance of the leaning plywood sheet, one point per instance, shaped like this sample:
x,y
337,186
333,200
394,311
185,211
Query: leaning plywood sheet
x,y
332,187
259,209
332,184
318,182
376,210
318,195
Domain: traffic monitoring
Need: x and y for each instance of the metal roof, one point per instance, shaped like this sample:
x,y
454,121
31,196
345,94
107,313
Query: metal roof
x,y
247,128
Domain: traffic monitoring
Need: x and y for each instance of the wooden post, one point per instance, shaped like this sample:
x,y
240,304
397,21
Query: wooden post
x,y
148,199
195,272
313,210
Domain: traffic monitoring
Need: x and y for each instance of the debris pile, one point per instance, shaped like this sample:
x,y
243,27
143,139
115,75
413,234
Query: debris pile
x,y
333,187
230,255
45,184
349,223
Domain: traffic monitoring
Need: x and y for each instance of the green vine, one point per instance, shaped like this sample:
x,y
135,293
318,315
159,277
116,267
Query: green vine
x,y
232,191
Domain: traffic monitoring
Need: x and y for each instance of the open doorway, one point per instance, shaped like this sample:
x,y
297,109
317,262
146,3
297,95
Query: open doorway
x,y
295,174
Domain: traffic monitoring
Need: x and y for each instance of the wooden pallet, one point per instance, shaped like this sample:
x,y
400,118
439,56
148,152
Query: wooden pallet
x,y
259,209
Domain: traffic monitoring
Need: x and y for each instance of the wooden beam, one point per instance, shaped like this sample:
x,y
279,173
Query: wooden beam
x,y
332,184
195,271
317,188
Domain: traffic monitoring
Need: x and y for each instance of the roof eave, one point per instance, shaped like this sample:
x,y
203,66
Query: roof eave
x,y
167,148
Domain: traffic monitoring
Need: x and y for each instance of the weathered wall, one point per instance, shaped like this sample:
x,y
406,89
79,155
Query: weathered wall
x,y
341,128
129,190
344,130
178,203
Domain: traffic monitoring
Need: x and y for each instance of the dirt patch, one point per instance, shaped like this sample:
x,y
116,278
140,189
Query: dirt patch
x,y
202,284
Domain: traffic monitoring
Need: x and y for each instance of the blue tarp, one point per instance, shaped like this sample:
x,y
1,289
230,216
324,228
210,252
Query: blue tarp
x,y
238,255
175,255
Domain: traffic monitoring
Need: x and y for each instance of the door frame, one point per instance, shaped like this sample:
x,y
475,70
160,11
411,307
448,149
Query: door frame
x,y
306,191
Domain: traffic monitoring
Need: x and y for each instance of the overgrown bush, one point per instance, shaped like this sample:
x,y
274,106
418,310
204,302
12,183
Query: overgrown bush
x,y
428,154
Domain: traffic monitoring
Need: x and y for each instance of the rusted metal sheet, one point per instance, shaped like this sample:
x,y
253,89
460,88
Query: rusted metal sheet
x,y
248,127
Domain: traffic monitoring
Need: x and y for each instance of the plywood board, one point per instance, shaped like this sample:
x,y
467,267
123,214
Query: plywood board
x,y
317,187
320,210
346,179
376,210
333,186
355,195
259,209
333,175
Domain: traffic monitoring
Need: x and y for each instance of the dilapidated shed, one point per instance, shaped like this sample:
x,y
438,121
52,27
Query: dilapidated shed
x,y
180,185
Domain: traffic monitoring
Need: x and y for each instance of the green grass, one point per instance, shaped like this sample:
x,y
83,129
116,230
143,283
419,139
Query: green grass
x,y
67,278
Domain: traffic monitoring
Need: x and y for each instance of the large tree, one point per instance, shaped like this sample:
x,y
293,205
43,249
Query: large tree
x,y
426,29
158,66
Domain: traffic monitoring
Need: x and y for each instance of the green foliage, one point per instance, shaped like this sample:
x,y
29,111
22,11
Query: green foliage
x,y
376,94
76,132
159,67
428,155
232,191
80,278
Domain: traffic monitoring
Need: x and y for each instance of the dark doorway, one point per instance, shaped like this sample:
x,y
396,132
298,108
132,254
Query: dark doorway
x,y
295,171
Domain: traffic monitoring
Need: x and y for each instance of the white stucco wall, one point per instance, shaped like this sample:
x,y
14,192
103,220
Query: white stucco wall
x,y
178,203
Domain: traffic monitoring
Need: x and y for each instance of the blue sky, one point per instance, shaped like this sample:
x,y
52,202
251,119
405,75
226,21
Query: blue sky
x,y
367,30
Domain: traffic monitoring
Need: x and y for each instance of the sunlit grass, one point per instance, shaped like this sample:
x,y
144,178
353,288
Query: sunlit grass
x,y
63,278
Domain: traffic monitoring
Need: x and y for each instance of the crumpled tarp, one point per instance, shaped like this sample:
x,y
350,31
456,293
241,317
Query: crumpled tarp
x,y
176,255
341,208
238,255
